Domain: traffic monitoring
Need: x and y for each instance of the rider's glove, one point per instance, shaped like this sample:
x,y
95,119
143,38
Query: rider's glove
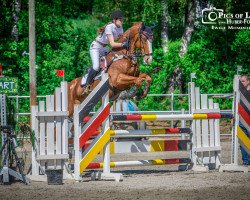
x,y
125,44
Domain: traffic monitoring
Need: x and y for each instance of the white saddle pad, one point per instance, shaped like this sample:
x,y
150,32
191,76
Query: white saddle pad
x,y
84,79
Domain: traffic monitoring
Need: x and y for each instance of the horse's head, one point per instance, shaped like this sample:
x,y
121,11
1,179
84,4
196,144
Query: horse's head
x,y
141,37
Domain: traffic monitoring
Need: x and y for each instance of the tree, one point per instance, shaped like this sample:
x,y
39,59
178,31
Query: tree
x,y
176,76
164,26
189,26
15,17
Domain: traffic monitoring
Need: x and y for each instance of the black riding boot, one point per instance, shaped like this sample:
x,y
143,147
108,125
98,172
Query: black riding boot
x,y
91,75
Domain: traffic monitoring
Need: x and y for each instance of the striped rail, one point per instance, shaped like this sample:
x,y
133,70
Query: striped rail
x,y
133,163
201,116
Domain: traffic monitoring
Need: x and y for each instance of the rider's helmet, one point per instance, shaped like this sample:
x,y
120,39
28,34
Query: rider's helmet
x,y
117,15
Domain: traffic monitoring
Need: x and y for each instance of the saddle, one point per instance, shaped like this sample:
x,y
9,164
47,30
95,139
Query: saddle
x,y
104,65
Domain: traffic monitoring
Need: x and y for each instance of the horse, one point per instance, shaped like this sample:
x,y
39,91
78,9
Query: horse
x,y
123,68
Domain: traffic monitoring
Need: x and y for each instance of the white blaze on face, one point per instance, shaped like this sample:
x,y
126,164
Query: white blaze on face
x,y
148,59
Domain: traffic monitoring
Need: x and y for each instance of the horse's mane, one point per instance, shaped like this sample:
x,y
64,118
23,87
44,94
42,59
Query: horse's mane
x,y
123,36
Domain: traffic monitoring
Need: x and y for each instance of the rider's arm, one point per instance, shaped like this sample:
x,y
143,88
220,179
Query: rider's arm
x,y
112,41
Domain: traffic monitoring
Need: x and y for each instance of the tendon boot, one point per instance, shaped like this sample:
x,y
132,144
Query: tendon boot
x,y
91,75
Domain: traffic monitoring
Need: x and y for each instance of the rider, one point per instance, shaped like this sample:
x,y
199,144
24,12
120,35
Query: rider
x,y
108,35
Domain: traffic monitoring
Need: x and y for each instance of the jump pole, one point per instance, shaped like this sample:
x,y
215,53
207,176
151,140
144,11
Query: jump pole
x,y
140,163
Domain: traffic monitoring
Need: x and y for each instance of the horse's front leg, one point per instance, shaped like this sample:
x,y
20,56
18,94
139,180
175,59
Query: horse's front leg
x,y
127,94
124,81
146,88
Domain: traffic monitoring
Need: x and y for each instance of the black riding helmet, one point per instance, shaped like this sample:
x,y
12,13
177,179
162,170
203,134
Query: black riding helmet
x,y
117,15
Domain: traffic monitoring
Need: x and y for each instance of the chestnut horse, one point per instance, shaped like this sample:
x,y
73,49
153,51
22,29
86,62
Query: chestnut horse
x,y
123,67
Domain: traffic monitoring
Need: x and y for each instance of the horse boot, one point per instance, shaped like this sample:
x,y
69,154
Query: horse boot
x,y
91,75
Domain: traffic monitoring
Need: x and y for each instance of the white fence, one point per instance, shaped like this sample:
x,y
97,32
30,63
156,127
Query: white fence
x,y
50,127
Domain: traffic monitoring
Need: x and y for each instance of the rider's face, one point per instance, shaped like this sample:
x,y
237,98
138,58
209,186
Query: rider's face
x,y
118,22
244,81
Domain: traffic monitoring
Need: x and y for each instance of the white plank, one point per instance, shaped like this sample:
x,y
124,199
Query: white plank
x,y
42,129
217,128
52,114
78,152
65,132
205,110
50,125
212,135
183,124
198,122
205,141
64,91
191,101
204,149
65,125
53,157
58,107
191,97
211,125
217,139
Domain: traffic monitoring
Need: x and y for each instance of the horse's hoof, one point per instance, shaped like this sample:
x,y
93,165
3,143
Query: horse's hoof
x,y
87,90
137,98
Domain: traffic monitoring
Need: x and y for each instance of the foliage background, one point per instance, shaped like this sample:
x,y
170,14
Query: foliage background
x,y
65,29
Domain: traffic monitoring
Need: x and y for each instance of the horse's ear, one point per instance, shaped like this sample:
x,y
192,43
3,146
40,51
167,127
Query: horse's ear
x,y
142,26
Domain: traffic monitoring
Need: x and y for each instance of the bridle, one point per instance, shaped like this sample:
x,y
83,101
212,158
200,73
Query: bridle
x,y
148,35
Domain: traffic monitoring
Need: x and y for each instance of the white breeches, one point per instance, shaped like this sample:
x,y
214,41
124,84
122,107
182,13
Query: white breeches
x,y
96,51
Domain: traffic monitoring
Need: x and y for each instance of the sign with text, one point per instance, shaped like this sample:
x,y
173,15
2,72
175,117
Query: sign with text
x,y
8,85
